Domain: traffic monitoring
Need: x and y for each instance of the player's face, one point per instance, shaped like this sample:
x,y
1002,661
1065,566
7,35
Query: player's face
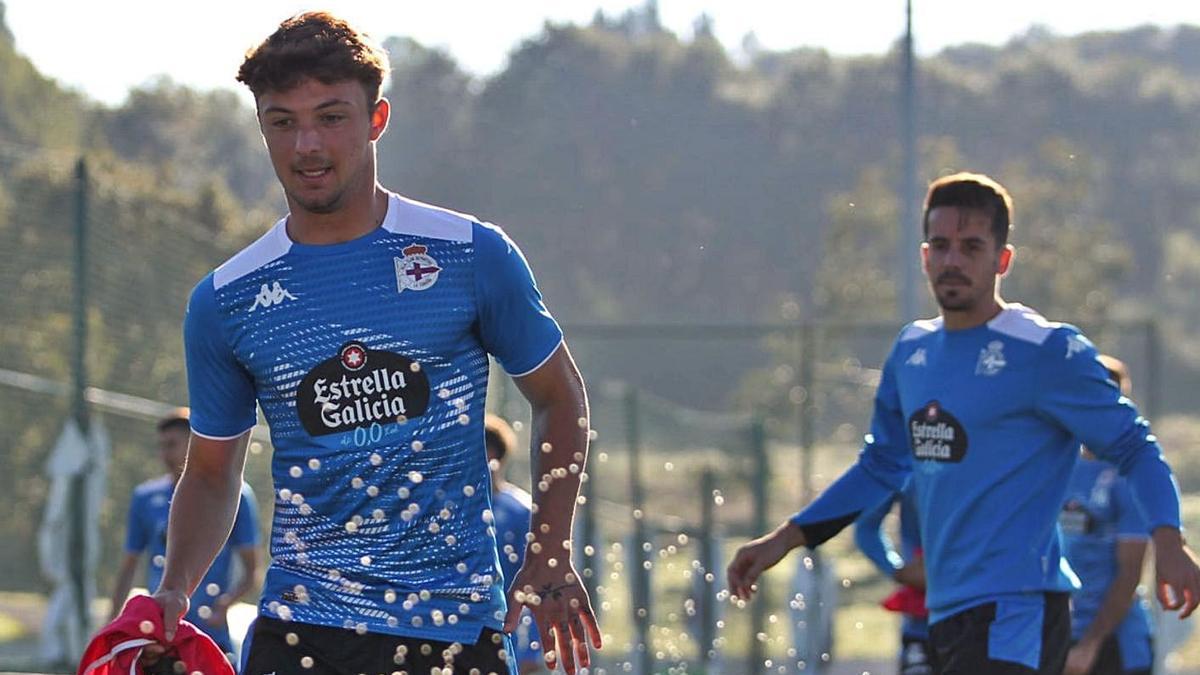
x,y
321,141
173,447
961,258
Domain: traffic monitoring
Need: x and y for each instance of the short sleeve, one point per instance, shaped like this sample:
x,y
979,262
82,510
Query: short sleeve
x,y
220,391
137,538
514,324
245,524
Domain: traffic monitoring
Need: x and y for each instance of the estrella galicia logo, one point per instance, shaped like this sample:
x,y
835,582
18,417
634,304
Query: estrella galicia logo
x,y
936,435
359,386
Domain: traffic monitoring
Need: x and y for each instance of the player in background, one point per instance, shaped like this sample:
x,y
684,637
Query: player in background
x,y
983,407
1105,539
362,323
512,508
906,567
146,533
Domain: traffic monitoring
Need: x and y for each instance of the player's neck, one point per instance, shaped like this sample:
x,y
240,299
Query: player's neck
x,y
360,216
975,316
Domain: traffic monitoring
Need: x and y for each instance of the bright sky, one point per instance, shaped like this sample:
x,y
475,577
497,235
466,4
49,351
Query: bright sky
x,y
104,48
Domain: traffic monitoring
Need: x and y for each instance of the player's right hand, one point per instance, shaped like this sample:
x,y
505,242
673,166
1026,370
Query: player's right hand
x,y
759,555
174,605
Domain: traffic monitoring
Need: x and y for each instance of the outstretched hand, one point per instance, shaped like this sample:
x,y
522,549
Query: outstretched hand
x,y
758,556
554,594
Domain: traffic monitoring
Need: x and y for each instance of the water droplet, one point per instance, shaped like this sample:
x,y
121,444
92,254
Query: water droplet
x,y
464,419
147,627
546,447
415,476
205,612
351,527
296,472
357,483
376,459
365,560
306,662
314,463
373,491
415,366
417,446
378,514
403,493
213,590
468,490
292,639
285,494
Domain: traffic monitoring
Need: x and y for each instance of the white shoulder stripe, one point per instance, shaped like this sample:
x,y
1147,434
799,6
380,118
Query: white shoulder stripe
x,y
271,246
920,328
1023,323
408,216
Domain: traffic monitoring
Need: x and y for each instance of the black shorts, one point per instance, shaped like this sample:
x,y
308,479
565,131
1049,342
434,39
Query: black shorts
x,y
291,648
1108,660
915,657
964,643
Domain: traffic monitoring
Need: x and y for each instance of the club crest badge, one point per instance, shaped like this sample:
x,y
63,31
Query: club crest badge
x,y
416,271
991,359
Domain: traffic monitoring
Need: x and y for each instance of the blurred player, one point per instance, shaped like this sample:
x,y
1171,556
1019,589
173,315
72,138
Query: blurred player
x,y
906,567
361,323
984,407
511,507
1105,539
147,533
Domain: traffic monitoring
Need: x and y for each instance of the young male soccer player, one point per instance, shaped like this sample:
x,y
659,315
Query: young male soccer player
x,y
146,533
1105,540
361,323
511,507
984,408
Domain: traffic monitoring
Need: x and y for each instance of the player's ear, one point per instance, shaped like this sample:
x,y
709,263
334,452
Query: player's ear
x,y
1004,263
380,114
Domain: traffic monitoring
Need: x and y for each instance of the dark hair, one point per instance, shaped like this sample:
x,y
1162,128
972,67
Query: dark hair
x,y
315,45
499,436
179,418
1118,372
972,191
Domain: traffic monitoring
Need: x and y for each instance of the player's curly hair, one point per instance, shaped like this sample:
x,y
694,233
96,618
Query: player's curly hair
x,y
972,191
315,45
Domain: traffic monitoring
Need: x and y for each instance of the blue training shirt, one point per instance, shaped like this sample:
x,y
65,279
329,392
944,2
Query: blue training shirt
x,y
878,547
146,532
987,421
1099,513
369,359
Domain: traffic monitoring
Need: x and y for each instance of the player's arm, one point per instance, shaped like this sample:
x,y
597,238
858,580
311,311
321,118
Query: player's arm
x,y
516,328
873,540
202,514
559,440
123,583
1117,600
882,468
1075,390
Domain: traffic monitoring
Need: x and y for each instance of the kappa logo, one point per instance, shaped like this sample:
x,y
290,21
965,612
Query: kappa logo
x,y
917,358
991,359
273,295
416,271
1076,344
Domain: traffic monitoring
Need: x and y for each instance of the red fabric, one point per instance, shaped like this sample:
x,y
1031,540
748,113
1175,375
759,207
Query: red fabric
x,y
907,600
115,648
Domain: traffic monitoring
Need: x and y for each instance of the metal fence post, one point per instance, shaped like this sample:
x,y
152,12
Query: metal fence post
x,y
78,499
639,557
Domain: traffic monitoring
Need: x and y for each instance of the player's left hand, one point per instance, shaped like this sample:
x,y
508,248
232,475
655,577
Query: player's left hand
x,y
555,596
1176,571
